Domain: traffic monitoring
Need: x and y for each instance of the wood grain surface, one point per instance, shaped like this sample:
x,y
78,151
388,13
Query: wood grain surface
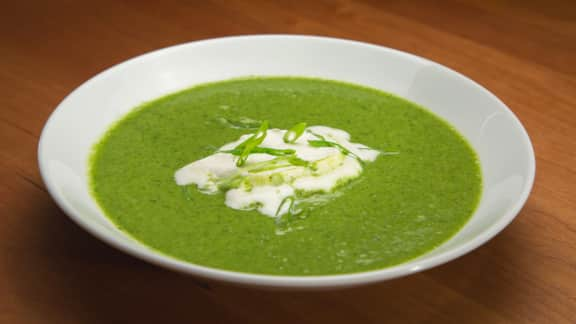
x,y
53,272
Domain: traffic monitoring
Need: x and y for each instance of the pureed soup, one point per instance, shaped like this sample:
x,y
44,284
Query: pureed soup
x,y
286,176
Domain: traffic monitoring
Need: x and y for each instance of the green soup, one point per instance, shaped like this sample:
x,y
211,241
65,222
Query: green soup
x,y
401,207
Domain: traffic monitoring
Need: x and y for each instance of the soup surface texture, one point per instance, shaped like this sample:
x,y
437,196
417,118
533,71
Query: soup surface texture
x,y
403,205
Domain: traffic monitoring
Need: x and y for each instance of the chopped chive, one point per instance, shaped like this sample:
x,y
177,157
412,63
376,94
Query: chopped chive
x,y
231,182
187,192
317,135
321,143
289,199
273,151
343,150
284,155
294,133
253,141
259,149
277,163
295,160
262,129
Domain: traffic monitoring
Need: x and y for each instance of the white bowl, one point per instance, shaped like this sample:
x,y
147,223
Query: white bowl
x,y
505,151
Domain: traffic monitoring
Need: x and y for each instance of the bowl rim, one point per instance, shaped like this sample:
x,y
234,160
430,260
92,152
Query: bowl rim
x,y
282,281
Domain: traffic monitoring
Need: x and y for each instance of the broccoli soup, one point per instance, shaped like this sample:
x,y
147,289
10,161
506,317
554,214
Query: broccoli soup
x,y
286,176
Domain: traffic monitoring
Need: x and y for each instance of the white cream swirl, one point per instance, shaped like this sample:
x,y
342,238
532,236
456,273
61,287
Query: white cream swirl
x,y
323,158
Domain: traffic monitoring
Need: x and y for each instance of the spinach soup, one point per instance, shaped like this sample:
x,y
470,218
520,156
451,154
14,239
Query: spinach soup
x,y
286,176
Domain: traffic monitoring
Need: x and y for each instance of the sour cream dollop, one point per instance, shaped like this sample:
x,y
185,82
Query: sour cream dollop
x,y
323,158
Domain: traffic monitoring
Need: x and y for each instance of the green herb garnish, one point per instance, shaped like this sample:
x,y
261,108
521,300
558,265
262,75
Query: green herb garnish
x,y
265,150
324,143
290,200
231,182
250,146
187,192
252,142
294,133
277,163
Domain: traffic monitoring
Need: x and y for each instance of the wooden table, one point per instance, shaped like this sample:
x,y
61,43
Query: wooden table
x,y
53,272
